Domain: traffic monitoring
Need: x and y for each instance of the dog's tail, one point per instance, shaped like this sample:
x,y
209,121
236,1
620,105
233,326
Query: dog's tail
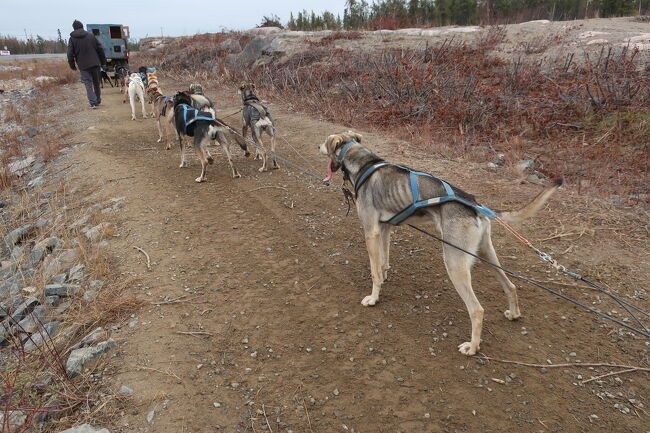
x,y
535,205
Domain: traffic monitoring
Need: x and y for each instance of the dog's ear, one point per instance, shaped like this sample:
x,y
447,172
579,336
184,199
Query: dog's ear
x,y
241,87
332,143
354,136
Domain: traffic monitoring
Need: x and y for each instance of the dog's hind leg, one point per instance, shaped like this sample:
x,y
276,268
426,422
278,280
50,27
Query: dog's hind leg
x,y
459,266
199,146
160,131
375,247
180,143
275,165
132,101
221,138
509,288
144,109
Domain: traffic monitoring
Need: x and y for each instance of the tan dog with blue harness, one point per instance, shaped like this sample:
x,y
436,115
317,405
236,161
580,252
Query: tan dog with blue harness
x,y
390,194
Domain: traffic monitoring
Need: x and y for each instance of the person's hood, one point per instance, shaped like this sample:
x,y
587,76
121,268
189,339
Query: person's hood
x,y
79,33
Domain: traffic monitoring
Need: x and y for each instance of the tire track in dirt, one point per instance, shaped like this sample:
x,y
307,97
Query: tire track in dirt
x,y
275,277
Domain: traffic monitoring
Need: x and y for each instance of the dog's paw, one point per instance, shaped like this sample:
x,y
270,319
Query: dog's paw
x,y
369,301
168,147
511,316
467,349
133,118
262,169
236,175
159,140
182,165
199,179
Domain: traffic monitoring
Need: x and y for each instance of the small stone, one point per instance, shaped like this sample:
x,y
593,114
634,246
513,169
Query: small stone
x,y
234,385
62,290
36,182
15,418
99,232
19,234
336,392
81,358
244,340
43,334
427,415
96,284
216,404
573,354
150,416
125,390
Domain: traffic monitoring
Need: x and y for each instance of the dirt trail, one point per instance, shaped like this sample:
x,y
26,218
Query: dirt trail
x,y
261,278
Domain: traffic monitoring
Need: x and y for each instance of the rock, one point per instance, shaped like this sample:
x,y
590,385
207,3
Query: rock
x,y
85,428
46,246
3,204
101,244
89,295
15,418
230,46
80,359
54,265
125,390
32,321
23,310
9,287
52,301
39,337
492,165
96,284
99,232
19,234
264,30
17,252
36,182
80,222
62,290
76,273
150,416
251,52
91,338
43,222
58,279
19,167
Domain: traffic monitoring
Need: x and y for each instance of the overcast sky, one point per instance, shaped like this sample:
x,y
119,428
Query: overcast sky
x,y
147,17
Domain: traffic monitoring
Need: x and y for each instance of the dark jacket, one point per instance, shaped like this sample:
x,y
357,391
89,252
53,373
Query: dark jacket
x,y
85,49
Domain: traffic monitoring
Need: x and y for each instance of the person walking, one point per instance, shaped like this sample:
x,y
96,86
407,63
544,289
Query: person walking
x,y
88,54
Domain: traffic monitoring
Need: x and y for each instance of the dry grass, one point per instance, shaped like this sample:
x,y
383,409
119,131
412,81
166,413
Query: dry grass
x,y
578,116
35,382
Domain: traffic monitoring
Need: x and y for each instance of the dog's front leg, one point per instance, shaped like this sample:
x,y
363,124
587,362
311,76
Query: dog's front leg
x,y
385,240
375,252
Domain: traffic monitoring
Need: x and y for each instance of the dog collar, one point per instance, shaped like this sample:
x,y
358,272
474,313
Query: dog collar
x,y
344,150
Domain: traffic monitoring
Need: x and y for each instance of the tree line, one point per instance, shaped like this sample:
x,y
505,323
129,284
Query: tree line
x,y
392,14
33,45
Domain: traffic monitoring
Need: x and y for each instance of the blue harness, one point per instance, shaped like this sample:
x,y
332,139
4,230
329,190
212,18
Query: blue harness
x,y
191,115
415,190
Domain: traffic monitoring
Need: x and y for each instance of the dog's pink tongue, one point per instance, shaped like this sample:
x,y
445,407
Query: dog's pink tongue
x,y
330,173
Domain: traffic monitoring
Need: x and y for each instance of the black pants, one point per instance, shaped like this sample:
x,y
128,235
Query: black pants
x,y
91,78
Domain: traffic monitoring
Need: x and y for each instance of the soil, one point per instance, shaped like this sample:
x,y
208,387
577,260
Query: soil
x,y
251,317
